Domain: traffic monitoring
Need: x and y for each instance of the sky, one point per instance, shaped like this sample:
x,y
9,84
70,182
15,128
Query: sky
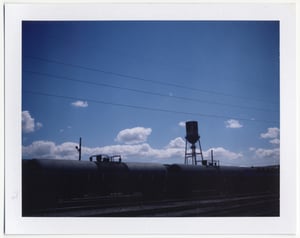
x,y
128,87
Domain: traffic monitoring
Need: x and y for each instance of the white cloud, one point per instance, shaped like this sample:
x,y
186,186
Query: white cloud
x,y
272,133
28,123
275,141
267,156
223,154
264,156
173,152
232,123
138,152
39,149
182,123
176,143
67,150
124,150
267,153
80,103
49,150
141,152
134,135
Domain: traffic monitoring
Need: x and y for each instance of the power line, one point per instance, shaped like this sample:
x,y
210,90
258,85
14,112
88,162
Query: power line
x,y
142,107
145,92
144,79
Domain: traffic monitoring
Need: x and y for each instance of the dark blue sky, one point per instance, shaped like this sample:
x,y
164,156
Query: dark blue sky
x,y
127,86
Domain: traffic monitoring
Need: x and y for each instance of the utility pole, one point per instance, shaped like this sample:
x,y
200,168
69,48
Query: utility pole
x,y
79,148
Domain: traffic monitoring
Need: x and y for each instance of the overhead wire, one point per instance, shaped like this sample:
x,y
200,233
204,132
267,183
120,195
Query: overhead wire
x,y
142,107
181,86
144,91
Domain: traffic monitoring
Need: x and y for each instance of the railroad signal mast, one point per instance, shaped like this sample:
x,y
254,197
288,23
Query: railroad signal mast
x,y
192,137
78,148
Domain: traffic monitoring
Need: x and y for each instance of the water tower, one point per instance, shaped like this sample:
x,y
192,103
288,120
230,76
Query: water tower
x,y
192,137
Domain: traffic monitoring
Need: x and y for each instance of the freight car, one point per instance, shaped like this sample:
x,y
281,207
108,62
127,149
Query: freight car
x,y
46,182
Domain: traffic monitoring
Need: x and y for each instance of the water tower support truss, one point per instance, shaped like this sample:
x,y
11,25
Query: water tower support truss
x,y
191,155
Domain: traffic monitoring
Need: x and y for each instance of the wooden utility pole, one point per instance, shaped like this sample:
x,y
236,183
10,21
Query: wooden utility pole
x,y
79,148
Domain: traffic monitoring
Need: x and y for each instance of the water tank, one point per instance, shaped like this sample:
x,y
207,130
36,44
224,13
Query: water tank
x,y
192,135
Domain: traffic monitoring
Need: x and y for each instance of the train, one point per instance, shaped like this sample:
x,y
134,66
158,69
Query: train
x,y
45,182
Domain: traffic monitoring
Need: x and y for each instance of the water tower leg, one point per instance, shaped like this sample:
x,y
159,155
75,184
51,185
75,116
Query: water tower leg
x,y
185,154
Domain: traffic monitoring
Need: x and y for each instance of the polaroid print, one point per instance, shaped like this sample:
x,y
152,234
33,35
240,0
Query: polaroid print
x,y
151,117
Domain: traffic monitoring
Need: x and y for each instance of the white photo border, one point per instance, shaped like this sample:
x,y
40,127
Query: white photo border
x,y
16,224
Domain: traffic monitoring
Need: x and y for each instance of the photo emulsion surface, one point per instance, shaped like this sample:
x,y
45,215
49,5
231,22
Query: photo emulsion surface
x,y
150,119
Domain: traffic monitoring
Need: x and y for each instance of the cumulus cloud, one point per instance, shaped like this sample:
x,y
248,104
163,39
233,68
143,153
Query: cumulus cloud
x,y
267,156
173,152
275,141
232,123
221,153
267,153
176,143
28,123
79,103
134,135
39,149
138,152
272,133
264,156
124,150
49,150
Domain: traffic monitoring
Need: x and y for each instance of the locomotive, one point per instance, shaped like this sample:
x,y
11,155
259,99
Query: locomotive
x,y
45,182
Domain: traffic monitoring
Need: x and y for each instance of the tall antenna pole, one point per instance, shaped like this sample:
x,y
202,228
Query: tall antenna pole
x,y
79,148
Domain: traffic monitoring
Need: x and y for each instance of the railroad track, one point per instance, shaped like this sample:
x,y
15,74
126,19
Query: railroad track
x,y
134,206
